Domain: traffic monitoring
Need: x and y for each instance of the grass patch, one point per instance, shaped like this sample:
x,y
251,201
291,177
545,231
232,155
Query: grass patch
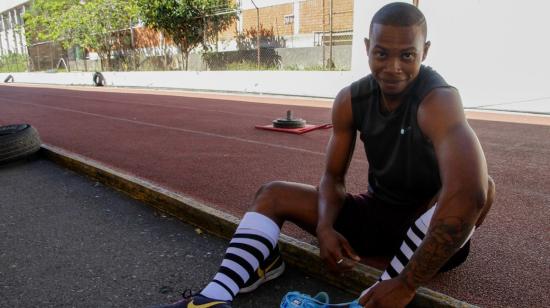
x,y
13,62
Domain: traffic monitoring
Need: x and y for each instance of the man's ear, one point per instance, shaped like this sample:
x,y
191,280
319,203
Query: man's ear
x,y
367,44
426,48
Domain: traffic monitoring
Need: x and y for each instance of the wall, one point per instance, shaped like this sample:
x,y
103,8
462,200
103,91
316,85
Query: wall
x,y
493,51
317,84
309,16
313,56
315,15
272,16
10,39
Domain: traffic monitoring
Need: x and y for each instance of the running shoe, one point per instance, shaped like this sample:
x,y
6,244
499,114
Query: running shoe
x,y
271,268
196,301
321,300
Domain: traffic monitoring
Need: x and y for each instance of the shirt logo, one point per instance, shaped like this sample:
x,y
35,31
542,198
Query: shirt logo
x,y
404,130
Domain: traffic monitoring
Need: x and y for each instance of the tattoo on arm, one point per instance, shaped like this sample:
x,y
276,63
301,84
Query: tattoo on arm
x,y
444,238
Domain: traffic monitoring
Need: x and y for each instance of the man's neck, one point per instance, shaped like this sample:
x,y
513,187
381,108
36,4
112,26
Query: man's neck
x,y
389,103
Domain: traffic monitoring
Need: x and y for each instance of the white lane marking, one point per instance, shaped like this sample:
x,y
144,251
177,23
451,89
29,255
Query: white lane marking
x,y
159,104
178,129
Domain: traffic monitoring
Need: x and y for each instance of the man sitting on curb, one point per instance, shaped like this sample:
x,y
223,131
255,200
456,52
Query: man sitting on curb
x,y
428,182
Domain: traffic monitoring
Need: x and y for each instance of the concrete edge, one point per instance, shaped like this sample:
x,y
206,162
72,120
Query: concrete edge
x,y
168,90
297,253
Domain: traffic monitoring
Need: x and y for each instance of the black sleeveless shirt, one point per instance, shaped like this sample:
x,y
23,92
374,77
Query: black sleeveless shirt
x,y
403,168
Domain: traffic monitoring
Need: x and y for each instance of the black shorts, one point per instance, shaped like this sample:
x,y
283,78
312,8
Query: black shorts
x,y
375,228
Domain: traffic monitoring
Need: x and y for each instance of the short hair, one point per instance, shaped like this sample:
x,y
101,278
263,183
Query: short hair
x,y
400,14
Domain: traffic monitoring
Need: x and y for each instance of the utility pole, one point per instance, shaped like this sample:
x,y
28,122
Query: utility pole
x,y
322,36
257,31
133,47
330,62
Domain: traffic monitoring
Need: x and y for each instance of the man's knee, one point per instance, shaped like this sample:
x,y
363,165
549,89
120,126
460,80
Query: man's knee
x,y
268,196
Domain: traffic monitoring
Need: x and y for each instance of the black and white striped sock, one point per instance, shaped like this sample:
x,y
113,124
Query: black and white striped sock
x,y
413,239
251,244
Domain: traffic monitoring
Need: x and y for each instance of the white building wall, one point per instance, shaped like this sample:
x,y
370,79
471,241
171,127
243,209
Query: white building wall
x,y
3,42
11,33
10,14
493,51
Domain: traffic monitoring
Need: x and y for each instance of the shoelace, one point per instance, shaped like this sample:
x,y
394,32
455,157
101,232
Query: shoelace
x,y
315,303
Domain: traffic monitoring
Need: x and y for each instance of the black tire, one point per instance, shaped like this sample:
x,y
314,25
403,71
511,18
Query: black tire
x,y
18,141
9,79
99,80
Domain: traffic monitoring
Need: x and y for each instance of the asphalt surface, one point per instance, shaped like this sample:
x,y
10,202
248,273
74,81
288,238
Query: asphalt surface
x,y
207,148
69,242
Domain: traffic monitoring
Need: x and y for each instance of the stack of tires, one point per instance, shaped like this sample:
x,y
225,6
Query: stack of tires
x,y
18,141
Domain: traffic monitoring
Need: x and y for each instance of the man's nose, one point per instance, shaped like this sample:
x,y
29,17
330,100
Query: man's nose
x,y
393,66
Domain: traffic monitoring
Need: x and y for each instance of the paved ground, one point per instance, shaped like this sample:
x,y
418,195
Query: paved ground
x,y
207,148
70,242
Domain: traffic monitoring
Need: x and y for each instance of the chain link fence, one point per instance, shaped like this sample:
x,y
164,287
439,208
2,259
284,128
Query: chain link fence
x,y
13,62
286,35
301,35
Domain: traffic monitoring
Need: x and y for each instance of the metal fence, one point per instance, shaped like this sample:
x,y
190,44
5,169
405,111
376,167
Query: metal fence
x,y
13,62
296,35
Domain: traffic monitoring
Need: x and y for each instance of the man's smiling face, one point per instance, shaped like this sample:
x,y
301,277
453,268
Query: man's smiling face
x,y
395,55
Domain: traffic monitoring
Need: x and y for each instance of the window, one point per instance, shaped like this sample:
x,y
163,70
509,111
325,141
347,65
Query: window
x,y
7,21
20,13
289,19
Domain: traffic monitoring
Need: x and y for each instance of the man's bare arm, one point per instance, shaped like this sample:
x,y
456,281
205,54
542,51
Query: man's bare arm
x,y
338,156
332,188
463,172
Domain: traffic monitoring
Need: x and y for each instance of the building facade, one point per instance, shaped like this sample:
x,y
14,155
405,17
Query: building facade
x,y
12,34
297,23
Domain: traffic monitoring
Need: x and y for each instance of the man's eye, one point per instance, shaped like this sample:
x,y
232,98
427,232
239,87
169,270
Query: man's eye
x,y
408,55
379,54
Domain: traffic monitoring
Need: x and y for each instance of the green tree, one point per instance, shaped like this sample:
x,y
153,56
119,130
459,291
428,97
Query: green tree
x,y
92,24
190,23
43,19
99,25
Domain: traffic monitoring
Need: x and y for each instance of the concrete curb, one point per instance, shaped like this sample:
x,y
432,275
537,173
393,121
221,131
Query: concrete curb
x,y
297,253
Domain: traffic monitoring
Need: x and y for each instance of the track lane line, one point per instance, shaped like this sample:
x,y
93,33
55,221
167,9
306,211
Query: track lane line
x,y
191,131
106,101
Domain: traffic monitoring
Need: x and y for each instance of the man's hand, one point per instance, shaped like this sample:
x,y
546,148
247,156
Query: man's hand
x,y
336,251
392,293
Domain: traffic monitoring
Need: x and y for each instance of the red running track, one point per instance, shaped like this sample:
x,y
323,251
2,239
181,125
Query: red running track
x,y
206,147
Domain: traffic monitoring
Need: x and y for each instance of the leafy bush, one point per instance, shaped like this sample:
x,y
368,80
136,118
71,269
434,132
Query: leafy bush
x,y
248,39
